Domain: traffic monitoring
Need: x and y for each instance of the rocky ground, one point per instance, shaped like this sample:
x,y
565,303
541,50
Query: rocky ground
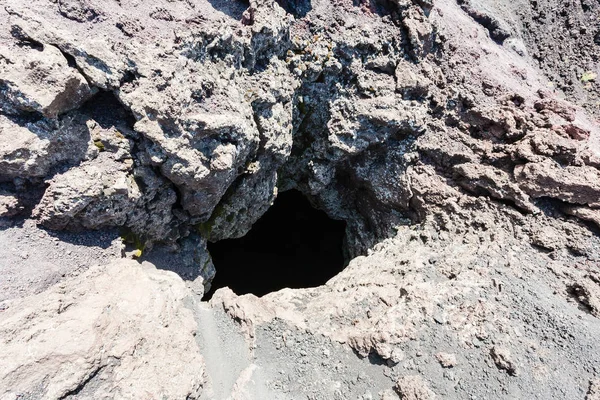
x,y
458,139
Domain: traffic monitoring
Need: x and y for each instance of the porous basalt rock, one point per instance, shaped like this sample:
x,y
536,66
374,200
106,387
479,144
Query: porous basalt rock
x,y
110,189
34,149
499,185
579,185
40,81
9,204
247,108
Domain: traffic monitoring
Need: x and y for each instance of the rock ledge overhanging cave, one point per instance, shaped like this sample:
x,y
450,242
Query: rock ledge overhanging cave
x,y
292,245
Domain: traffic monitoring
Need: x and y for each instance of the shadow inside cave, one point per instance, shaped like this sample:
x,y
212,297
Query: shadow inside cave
x,y
292,246
298,8
232,8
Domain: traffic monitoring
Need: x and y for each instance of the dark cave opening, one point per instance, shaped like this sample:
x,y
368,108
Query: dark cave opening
x,y
106,109
293,245
298,8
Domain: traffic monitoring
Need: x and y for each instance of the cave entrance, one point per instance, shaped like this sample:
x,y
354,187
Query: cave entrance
x,y
293,245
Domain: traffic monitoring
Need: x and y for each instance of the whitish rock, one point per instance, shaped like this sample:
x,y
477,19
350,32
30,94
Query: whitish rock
x,y
77,10
446,360
366,107
117,331
413,387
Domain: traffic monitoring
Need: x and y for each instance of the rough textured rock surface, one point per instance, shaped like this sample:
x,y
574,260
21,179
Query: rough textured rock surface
x,y
232,104
119,331
42,81
458,140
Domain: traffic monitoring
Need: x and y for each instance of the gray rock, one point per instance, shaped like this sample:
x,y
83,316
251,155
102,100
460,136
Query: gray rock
x,y
503,360
40,81
9,204
34,149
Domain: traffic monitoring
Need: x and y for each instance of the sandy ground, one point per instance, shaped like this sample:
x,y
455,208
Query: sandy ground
x,y
33,259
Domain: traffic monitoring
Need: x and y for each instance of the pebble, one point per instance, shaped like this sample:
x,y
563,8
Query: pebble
x,y
440,318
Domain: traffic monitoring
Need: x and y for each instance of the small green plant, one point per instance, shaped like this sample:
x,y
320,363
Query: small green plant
x,y
98,143
588,76
205,228
129,237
